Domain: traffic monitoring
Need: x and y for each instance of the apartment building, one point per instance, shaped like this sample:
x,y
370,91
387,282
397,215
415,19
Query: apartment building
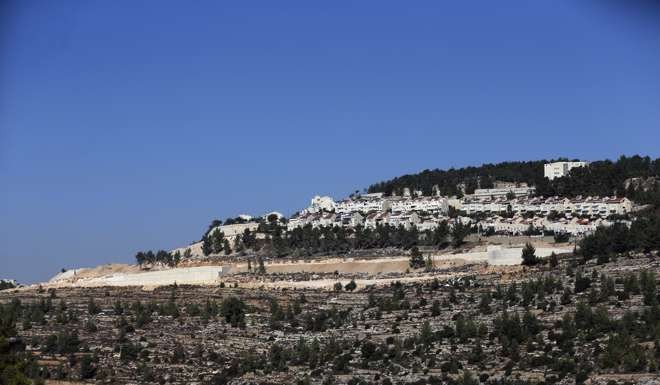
x,y
405,219
596,206
560,169
426,204
376,218
492,193
362,205
589,206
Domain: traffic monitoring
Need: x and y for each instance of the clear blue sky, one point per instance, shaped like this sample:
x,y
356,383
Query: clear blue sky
x,y
130,125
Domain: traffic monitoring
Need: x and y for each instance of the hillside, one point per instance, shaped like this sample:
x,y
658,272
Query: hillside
x,y
569,321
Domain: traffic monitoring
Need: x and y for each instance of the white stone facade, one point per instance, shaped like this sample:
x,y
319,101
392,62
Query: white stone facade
x,y
560,169
589,206
488,193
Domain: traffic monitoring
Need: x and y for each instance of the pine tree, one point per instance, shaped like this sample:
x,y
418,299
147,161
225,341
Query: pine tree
x,y
416,258
458,233
528,255
226,247
261,269
428,265
553,260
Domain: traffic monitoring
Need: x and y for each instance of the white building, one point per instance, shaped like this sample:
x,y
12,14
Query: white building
x,y
589,206
362,204
473,206
603,207
574,226
489,193
376,218
349,219
406,220
427,204
297,221
315,219
320,203
560,169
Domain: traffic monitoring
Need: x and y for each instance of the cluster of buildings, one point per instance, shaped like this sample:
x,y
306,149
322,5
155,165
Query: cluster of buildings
x,y
601,207
520,226
371,210
507,208
503,190
502,212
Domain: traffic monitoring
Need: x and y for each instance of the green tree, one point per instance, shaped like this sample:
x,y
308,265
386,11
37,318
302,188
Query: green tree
x,y
553,260
458,233
435,308
426,334
226,246
261,269
428,264
217,241
440,234
529,255
176,258
233,310
416,258
87,367
92,307
648,286
484,303
140,258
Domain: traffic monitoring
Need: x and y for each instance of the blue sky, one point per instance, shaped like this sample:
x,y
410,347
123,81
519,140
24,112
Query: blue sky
x,y
131,125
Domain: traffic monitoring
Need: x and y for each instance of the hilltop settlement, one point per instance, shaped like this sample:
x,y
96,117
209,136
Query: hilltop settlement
x,y
539,272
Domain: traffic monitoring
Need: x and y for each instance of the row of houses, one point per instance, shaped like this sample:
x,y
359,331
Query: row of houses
x,y
579,206
520,225
508,215
517,225
372,219
376,202
517,191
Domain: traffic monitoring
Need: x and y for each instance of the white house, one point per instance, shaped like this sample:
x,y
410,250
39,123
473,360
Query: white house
x,y
349,219
560,169
297,221
376,218
320,203
406,219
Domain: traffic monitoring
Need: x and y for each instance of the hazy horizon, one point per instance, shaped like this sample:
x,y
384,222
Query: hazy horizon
x,y
124,131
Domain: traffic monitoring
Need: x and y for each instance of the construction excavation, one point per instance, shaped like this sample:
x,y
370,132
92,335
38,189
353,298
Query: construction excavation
x,y
375,269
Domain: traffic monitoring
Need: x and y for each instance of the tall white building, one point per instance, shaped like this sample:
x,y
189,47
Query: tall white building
x,y
319,203
560,169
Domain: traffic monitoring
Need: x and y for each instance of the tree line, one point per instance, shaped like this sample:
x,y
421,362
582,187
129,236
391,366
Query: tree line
x,y
161,257
606,242
309,240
